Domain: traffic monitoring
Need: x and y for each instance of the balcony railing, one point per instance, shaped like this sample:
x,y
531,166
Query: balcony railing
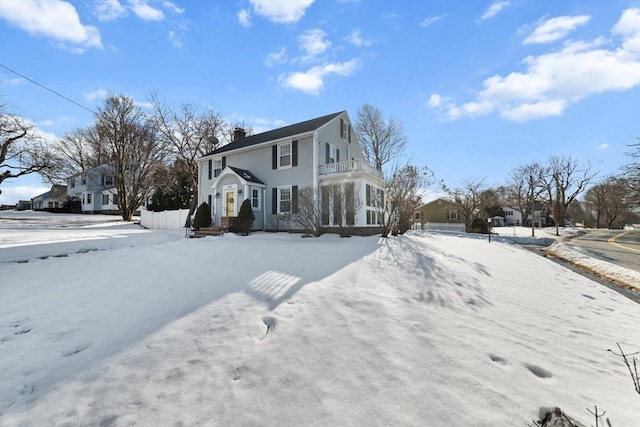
x,y
349,166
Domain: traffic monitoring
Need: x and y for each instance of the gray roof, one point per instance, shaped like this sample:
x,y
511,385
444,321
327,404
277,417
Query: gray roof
x,y
246,175
275,134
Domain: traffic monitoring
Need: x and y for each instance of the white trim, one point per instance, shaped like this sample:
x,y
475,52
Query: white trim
x,y
279,153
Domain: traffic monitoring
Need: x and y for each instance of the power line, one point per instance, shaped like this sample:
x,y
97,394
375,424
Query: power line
x,y
46,88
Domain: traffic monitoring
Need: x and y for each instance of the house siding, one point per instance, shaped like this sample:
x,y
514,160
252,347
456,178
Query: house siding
x,y
311,153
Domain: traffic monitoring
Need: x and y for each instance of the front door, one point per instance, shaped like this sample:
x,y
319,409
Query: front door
x,y
230,201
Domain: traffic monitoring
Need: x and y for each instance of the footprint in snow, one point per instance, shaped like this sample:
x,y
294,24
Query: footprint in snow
x,y
497,359
538,371
270,323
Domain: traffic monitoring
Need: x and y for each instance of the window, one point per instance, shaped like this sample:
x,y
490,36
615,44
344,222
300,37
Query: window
x,y
210,169
372,217
374,196
72,182
508,213
105,199
108,180
333,154
417,216
452,215
88,198
255,198
284,199
83,179
344,130
114,200
217,167
284,155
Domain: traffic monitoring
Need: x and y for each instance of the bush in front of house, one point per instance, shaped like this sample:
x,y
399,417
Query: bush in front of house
x,y
244,221
480,225
202,217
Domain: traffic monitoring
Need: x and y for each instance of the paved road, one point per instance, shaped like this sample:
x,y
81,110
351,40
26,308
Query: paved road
x,y
616,246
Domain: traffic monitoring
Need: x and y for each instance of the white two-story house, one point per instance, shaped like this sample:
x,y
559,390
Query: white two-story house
x,y
271,169
95,189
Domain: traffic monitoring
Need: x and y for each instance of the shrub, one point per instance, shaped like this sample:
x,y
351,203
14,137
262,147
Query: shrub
x,y
202,217
244,221
480,225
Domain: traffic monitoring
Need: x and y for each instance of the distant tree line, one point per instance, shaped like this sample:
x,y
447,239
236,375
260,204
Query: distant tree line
x,y
153,156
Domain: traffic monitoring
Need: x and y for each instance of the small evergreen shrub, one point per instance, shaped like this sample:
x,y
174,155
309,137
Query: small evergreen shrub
x,y
244,221
202,217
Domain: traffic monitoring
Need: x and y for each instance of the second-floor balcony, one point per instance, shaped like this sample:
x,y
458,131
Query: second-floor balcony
x,y
349,166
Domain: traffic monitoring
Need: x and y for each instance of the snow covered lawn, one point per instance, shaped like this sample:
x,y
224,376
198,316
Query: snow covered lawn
x,y
139,327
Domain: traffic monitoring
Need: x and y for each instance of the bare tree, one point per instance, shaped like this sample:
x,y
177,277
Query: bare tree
x,y
564,180
133,149
188,134
631,174
230,130
403,195
76,151
339,204
609,200
381,140
524,190
467,198
22,150
308,215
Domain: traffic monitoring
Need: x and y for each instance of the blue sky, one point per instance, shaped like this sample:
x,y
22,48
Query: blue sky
x,y
481,87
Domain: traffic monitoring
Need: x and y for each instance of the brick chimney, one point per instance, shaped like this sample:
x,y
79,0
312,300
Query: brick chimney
x,y
239,133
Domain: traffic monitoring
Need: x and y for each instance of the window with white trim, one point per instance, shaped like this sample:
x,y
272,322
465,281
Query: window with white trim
x,y
105,199
417,216
333,154
217,167
88,198
284,199
452,215
284,155
255,198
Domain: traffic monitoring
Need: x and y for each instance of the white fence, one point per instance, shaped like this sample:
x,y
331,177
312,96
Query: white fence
x,y
167,220
439,226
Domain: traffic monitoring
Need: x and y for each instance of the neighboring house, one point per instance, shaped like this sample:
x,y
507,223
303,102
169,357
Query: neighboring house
x,y
512,216
272,168
52,199
438,211
23,205
95,190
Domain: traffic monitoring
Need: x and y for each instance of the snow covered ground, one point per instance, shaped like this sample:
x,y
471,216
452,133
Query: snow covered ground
x,y
104,323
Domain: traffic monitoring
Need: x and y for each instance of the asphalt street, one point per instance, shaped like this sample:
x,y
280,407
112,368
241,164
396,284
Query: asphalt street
x,y
620,247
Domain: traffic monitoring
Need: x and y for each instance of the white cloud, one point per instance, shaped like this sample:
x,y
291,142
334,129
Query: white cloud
x,y
281,11
629,28
313,43
312,80
495,8
146,12
108,10
174,39
55,19
244,18
355,38
603,146
535,110
551,82
11,195
556,28
430,20
172,7
96,94
275,58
